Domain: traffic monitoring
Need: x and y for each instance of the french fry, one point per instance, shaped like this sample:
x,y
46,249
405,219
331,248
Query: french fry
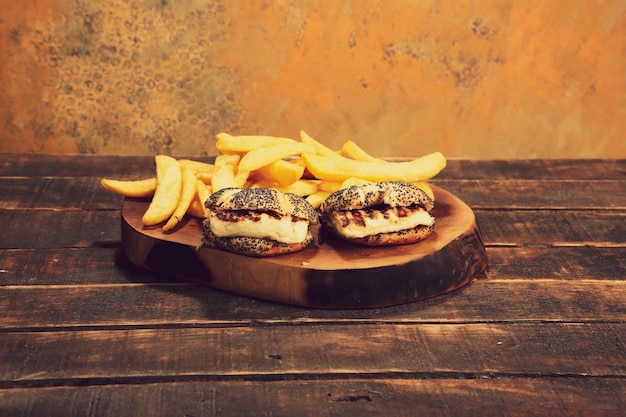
x,y
169,182
261,157
223,177
186,196
283,172
354,151
196,208
241,178
228,159
224,174
203,192
331,186
300,187
264,183
320,148
317,198
197,167
228,143
134,188
205,177
339,169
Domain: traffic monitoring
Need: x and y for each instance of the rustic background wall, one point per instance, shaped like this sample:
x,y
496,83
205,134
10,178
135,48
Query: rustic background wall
x,y
480,79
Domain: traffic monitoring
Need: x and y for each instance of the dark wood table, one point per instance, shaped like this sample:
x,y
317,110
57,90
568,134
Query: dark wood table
x,y
542,333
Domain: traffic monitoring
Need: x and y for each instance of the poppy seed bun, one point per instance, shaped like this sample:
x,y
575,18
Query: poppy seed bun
x,y
402,237
392,193
379,214
261,213
264,200
252,246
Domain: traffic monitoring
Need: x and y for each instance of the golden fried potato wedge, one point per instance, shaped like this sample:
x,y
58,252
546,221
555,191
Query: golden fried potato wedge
x,y
203,191
223,177
205,177
197,167
226,159
300,187
283,172
354,151
340,169
225,170
226,143
196,208
134,188
331,186
320,148
317,198
186,196
261,157
169,182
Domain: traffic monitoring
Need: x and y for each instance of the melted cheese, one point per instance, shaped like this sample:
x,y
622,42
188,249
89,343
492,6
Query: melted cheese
x,y
281,229
376,222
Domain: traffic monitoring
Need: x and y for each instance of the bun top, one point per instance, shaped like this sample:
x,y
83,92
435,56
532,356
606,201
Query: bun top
x,y
391,193
262,199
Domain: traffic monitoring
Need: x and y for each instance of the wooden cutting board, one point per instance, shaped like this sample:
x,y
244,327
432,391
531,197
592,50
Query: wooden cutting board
x,y
334,274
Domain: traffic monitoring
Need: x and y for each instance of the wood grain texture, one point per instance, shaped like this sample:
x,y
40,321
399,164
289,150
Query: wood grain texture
x,y
84,332
407,396
505,349
185,304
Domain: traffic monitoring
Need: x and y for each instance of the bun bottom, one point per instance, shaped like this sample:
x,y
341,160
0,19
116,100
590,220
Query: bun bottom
x,y
401,237
252,246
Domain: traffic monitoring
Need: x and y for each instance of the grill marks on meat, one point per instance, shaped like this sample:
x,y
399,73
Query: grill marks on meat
x,y
247,215
359,217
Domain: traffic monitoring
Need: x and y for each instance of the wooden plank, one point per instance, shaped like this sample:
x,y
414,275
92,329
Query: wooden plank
x,y
495,349
86,193
564,262
535,169
35,229
68,165
104,265
82,193
538,194
499,228
357,397
92,265
40,165
552,228
184,304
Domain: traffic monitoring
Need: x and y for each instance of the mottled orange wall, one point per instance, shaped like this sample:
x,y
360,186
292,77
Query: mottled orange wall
x,y
480,79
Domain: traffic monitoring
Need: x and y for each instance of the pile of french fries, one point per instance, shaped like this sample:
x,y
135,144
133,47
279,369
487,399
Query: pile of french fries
x,y
305,167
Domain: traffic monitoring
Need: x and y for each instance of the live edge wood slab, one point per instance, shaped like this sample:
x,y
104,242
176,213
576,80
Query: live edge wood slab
x,y
332,274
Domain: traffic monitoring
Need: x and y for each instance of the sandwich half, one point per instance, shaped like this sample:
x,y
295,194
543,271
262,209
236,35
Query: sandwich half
x,y
258,222
379,214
